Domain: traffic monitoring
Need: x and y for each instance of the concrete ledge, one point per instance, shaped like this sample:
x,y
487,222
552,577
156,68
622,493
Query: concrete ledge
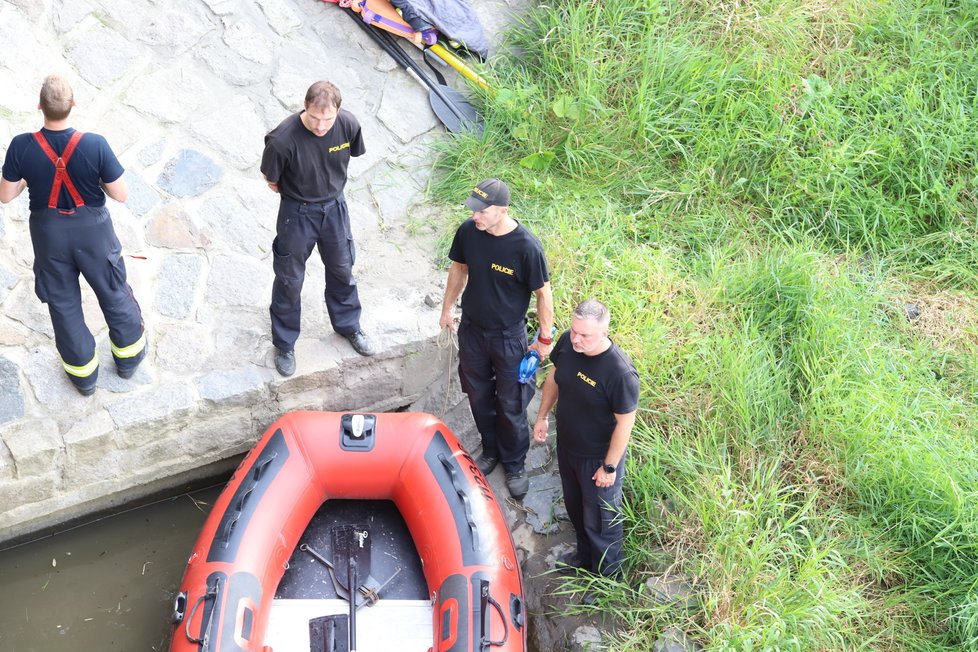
x,y
159,438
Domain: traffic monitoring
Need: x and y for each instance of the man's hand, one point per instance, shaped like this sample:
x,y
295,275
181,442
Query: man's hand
x,y
541,429
543,349
448,320
602,479
273,186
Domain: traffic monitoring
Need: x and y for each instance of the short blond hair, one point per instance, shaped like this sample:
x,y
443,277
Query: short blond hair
x,y
57,98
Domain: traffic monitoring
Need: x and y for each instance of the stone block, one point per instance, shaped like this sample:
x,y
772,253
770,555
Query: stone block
x,y
89,444
238,281
101,56
241,228
19,495
153,94
211,130
142,197
423,368
136,413
233,388
35,446
183,348
176,286
189,174
172,228
11,392
280,16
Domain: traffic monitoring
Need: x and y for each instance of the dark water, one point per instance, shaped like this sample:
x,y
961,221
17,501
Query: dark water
x,y
108,585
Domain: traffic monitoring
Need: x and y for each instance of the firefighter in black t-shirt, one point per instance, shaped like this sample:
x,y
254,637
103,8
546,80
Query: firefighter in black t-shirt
x,y
500,264
68,174
598,389
305,161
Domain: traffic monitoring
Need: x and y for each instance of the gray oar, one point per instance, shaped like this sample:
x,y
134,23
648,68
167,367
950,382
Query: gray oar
x,y
449,105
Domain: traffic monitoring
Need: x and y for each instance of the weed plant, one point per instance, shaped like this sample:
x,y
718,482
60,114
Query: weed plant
x,y
754,188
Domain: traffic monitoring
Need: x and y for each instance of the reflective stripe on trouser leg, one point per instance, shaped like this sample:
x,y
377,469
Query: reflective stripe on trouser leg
x,y
81,371
131,351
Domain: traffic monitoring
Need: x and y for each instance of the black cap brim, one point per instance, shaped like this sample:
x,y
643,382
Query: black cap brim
x,y
473,203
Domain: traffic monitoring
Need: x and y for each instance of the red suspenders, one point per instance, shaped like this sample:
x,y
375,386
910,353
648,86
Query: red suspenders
x,y
60,169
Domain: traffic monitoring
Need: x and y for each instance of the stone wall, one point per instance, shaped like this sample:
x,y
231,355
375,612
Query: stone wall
x,y
55,470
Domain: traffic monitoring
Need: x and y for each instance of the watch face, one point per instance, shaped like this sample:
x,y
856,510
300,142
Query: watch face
x,y
608,468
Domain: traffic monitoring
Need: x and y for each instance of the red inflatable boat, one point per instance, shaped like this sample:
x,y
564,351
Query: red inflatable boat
x,y
469,563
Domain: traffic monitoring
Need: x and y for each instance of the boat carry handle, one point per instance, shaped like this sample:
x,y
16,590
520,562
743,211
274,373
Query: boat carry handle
x,y
203,640
485,601
463,495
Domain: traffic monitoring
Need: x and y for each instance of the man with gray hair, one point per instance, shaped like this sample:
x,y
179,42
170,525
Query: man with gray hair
x,y
68,174
598,389
305,161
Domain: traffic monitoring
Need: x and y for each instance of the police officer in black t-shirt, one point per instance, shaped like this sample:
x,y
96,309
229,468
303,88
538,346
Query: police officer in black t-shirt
x,y
305,161
598,389
68,174
500,264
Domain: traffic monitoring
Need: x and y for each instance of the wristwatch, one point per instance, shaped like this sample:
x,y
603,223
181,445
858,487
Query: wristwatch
x,y
609,468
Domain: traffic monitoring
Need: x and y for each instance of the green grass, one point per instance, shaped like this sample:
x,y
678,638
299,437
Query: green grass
x,y
756,189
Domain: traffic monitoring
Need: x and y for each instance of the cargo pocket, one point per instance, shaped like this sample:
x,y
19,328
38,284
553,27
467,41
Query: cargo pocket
x,y
284,274
116,271
40,286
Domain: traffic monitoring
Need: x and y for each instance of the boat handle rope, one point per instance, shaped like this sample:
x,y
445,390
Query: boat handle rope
x,y
256,474
486,600
202,641
464,496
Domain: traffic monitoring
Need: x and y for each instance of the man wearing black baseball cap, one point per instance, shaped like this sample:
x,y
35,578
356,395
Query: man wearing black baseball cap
x,y
499,264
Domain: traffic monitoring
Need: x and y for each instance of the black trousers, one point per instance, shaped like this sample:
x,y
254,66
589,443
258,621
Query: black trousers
x,y
300,227
84,242
595,512
488,369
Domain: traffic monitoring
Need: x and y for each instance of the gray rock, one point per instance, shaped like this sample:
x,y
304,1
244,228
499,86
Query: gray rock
x,y
221,7
544,503
150,155
172,228
11,394
247,41
395,191
183,348
153,94
176,285
241,227
47,379
176,31
7,278
67,15
280,17
142,197
675,640
405,109
101,56
238,281
587,638
238,387
675,591
189,174
232,148
229,66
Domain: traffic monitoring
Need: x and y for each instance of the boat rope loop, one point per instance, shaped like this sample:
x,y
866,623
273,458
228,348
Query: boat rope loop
x,y
463,495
